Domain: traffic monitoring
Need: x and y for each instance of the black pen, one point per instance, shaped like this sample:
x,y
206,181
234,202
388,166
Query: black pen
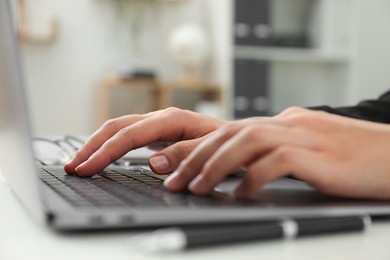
x,y
182,238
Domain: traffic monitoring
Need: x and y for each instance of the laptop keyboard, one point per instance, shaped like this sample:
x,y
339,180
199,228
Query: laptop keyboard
x,y
118,187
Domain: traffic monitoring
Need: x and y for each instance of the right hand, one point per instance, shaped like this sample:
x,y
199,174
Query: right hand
x,y
118,136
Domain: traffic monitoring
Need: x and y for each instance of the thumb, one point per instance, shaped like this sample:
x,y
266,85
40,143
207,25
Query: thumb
x,y
167,160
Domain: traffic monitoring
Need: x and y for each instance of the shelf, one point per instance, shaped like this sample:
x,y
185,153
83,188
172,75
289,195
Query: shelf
x,y
283,54
116,96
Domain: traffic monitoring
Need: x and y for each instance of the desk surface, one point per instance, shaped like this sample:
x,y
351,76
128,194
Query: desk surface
x,y
21,238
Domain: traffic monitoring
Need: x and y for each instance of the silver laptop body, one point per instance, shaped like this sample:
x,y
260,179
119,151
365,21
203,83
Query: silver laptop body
x,y
283,198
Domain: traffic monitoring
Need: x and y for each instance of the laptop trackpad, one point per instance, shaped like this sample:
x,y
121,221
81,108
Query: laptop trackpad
x,y
290,192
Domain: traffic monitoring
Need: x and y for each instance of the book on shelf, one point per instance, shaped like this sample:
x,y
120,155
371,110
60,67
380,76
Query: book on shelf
x,y
252,22
251,95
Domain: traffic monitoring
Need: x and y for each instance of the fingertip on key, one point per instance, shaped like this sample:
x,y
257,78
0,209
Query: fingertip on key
x,y
199,186
70,168
173,182
81,170
159,164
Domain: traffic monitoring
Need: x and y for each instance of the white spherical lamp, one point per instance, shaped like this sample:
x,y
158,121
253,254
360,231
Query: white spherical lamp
x,y
188,46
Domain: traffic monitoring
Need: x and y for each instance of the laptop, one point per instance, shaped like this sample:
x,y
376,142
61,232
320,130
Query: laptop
x,y
130,197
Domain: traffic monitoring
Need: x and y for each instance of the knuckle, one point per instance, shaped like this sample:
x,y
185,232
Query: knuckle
x,y
285,154
251,120
182,149
229,129
173,114
123,133
298,115
172,111
110,125
304,117
254,132
108,156
292,111
105,153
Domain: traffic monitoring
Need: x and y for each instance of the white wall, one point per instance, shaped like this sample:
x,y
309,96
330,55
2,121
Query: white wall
x,y
61,77
373,51
221,36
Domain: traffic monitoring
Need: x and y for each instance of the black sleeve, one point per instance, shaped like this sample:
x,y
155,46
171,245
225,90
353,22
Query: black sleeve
x,y
377,110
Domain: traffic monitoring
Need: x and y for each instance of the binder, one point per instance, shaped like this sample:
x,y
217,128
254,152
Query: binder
x,y
259,91
261,22
251,88
252,24
241,86
242,22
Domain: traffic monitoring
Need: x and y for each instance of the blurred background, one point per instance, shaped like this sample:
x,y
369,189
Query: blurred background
x,y
86,61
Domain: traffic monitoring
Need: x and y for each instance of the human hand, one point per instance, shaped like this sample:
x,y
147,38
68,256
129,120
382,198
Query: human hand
x,y
336,155
118,136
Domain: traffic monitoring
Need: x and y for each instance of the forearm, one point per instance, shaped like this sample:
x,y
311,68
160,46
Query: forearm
x,y
371,110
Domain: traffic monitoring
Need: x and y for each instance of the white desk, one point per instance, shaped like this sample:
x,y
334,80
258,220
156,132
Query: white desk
x,y
21,238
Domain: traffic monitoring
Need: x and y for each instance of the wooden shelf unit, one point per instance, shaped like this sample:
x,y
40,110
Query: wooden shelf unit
x,y
160,94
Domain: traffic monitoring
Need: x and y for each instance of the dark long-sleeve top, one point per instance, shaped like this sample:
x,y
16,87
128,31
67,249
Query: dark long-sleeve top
x,y
377,110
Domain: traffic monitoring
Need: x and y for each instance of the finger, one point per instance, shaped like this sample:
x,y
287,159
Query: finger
x,y
251,142
170,125
109,129
306,164
192,165
168,159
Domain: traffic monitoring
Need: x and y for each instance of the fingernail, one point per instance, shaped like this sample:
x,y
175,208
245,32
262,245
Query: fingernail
x,y
78,168
198,185
68,169
159,163
172,181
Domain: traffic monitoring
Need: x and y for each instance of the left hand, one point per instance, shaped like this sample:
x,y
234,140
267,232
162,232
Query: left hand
x,y
336,155
118,136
